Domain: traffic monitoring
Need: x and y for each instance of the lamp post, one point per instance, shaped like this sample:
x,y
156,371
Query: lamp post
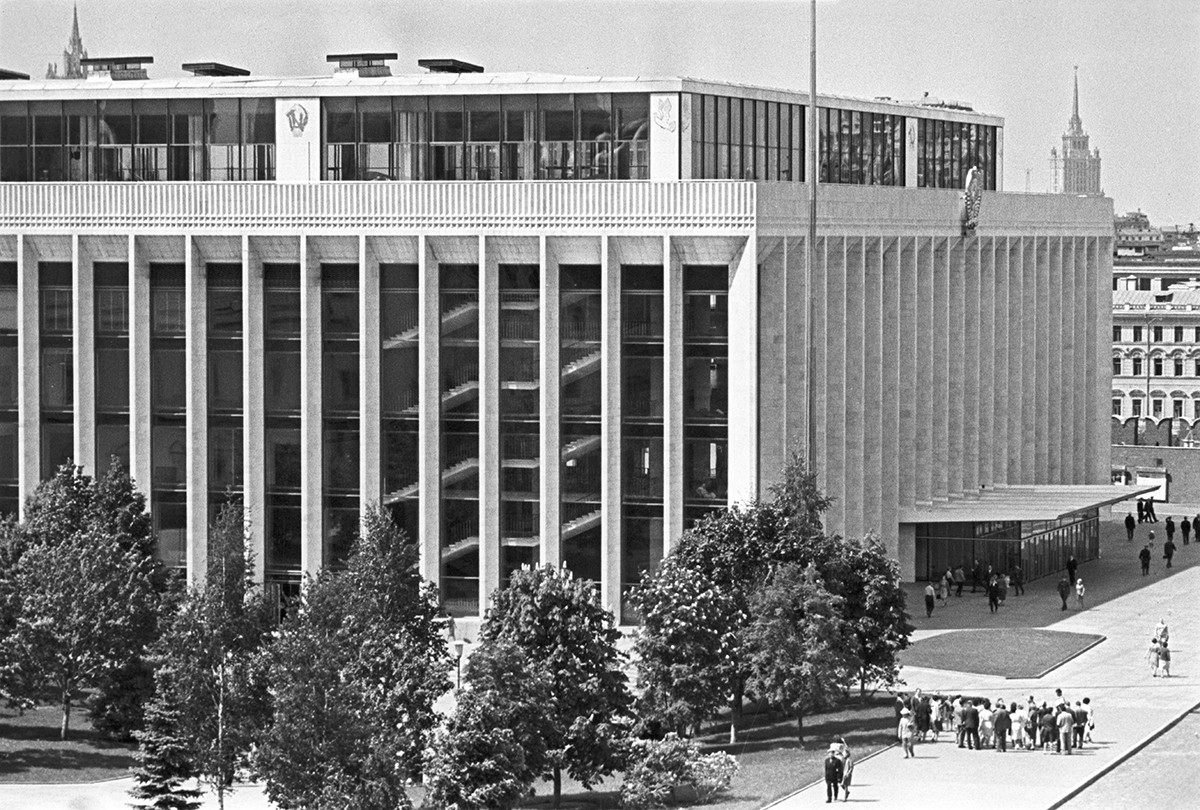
x,y
459,644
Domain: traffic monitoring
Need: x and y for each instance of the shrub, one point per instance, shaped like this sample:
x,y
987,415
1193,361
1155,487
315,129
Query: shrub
x,y
663,767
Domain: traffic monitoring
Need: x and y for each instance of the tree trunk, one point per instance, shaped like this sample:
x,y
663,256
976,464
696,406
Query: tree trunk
x,y
800,725
735,708
66,712
862,684
221,733
557,786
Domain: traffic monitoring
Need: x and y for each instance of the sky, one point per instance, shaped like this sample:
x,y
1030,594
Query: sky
x,y
1139,60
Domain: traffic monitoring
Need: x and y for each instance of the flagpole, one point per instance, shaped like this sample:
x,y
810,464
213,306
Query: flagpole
x,y
813,135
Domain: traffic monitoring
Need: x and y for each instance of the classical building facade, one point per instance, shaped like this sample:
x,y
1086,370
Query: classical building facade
x,y
1077,169
542,318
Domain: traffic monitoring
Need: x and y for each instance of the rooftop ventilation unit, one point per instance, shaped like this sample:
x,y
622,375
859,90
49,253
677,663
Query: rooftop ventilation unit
x,y
12,75
449,66
118,68
366,65
213,69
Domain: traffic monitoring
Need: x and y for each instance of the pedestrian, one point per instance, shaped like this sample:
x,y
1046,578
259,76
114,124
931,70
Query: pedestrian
x,y
1003,588
1064,590
1141,510
1152,656
1018,580
1080,723
1168,551
1170,529
1066,727
1185,528
959,580
1079,592
833,774
1164,659
923,711
847,769
1020,723
1150,516
1195,521
960,721
1144,556
976,573
1161,631
1072,568
1091,718
971,721
906,731
1047,728
948,581
1002,724
993,593
929,597
1129,525
939,591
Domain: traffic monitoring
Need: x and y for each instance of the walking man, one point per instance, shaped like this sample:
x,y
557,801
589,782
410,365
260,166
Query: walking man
x,y
1150,516
833,773
1064,590
1072,568
971,721
1066,727
929,597
959,580
976,573
1018,580
1002,723
1170,529
1168,551
1185,529
1144,556
1129,525
1141,509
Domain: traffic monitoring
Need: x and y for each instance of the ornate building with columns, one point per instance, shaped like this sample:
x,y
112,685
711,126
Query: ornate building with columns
x,y
541,319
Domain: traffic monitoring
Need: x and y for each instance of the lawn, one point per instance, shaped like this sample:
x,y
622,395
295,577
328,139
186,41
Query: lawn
x,y
1011,652
773,763
31,752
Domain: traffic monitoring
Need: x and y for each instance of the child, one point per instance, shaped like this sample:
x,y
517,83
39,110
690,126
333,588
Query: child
x,y
1079,592
1164,659
906,731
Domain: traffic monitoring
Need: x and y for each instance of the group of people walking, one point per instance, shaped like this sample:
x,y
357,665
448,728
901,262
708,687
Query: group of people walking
x,y
978,723
1169,547
839,766
1159,654
996,584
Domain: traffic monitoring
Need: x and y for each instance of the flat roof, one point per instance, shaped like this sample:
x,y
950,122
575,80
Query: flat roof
x,y
437,83
1012,503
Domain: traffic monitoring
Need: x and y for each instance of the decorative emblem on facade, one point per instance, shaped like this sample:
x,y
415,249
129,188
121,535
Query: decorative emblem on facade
x,y
665,117
972,198
297,118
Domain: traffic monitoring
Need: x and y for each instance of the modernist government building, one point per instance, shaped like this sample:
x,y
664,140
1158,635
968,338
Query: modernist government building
x,y
542,318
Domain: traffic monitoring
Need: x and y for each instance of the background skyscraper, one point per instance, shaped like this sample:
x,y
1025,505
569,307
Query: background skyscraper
x,y
1077,169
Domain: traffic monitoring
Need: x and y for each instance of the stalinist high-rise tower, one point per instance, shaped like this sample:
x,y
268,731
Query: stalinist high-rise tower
x,y
73,56
1077,169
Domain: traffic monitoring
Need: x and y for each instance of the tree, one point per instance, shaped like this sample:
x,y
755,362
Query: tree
x,y
800,647
688,646
82,603
570,640
693,635
207,662
488,755
355,671
165,760
875,610
59,512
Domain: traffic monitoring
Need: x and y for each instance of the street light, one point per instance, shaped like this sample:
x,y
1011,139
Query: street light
x,y
459,644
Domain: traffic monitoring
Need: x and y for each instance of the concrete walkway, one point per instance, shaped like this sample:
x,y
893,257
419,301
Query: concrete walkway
x,y
1131,708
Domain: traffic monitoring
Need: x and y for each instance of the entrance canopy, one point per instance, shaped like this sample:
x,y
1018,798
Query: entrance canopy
x,y
1022,503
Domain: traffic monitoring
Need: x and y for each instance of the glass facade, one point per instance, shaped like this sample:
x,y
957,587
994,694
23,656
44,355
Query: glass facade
x,y
57,366
225,403
9,390
1040,547
598,136
459,386
580,323
642,400
746,139
399,391
861,148
339,404
168,404
111,293
137,140
705,390
520,411
281,416
947,150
